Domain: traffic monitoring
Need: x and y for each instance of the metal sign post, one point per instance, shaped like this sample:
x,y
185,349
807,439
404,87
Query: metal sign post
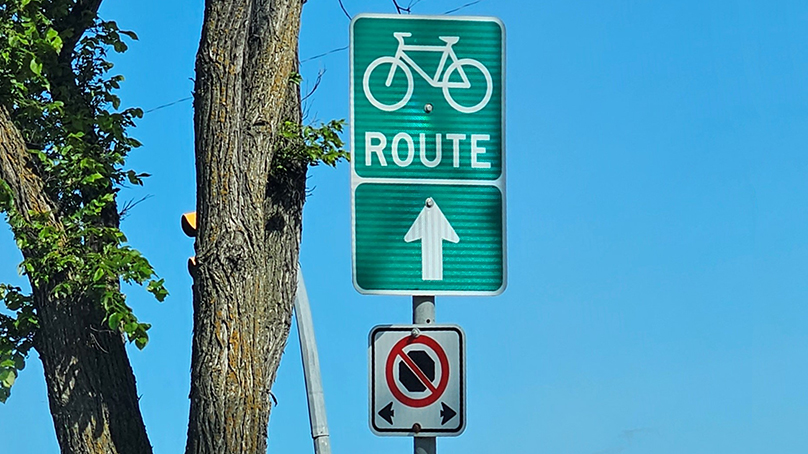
x,y
423,313
311,368
427,202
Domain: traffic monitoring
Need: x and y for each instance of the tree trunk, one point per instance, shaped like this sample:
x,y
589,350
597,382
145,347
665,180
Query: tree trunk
x,y
249,211
91,387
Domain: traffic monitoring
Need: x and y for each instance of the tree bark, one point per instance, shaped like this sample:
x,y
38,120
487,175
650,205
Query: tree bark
x,y
91,387
17,169
249,212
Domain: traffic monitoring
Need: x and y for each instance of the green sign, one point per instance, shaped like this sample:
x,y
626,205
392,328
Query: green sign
x,y
428,155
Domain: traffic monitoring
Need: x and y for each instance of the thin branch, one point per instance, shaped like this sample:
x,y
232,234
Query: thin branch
x,y
306,105
344,10
462,7
127,207
316,84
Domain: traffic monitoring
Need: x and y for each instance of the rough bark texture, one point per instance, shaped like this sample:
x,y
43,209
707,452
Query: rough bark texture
x,y
18,171
91,387
249,219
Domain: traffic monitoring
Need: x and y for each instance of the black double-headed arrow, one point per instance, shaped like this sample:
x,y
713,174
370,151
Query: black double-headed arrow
x,y
446,414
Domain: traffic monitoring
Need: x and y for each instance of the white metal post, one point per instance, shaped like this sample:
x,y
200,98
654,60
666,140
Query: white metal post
x,y
311,368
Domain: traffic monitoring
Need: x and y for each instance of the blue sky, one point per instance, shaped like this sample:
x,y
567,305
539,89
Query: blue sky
x,y
657,236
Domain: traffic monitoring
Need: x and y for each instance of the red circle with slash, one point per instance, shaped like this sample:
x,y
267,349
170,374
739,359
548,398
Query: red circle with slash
x,y
435,390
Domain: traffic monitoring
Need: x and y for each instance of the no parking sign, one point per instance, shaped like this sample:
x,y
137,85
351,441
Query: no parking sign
x,y
417,380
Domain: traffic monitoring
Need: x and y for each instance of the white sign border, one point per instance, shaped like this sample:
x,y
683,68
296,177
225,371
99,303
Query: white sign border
x,y
499,183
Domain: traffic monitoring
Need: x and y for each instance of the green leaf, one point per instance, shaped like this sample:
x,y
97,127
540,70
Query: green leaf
x,y
8,377
81,152
135,178
120,46
141,342
19,362
92,178
36,66
157,289
6,200
130,34
52,36
115,320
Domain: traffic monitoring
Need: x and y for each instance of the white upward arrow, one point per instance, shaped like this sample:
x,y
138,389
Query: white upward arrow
x,y
431,227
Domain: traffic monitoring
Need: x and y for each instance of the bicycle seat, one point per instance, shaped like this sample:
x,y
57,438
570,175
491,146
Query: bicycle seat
x,y
400,35
449,39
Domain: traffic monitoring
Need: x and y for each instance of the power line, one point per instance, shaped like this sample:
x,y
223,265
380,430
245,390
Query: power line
x,y
332,51
462,7
344,10
188,98
169,104
338,49
400,8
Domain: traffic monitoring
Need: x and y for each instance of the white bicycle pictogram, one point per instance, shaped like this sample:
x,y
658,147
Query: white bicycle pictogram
x,y
404,61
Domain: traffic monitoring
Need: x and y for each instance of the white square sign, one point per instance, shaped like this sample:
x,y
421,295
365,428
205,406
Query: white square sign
x,y
417,380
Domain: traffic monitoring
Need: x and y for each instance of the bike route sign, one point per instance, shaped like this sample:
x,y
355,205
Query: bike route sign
x,y
428,155
417,380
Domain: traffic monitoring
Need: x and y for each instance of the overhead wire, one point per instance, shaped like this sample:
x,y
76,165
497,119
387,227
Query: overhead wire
x,y
399,8
332,51
462,7
344,10
169,104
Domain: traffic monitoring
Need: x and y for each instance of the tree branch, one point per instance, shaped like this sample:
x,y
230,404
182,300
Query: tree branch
x,y
18,170
80,18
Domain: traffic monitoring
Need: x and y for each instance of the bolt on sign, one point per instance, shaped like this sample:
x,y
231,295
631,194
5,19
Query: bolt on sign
x,y
417,380
428,155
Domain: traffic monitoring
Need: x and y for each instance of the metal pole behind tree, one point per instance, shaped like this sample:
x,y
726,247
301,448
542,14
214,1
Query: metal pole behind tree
x,y
423,313
311,368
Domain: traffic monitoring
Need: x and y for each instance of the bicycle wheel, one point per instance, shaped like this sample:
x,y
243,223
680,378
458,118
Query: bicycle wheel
x,y
467,92
392,100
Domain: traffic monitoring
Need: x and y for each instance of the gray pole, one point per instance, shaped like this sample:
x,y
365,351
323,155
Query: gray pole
x,y
423,313
311,368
